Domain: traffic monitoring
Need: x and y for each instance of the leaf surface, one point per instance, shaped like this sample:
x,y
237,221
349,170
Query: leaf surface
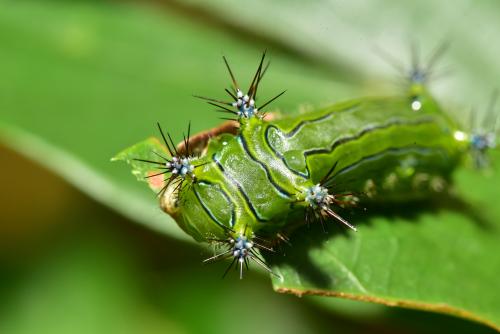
x,y
442,258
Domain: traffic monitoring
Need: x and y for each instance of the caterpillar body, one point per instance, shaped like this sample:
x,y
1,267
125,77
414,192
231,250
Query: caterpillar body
x,y
244,187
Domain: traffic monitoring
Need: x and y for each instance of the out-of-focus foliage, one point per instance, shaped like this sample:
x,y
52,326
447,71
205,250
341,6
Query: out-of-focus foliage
x,y
346,36
82,81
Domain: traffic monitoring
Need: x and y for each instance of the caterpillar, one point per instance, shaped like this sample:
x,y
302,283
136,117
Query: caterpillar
x,y
258,176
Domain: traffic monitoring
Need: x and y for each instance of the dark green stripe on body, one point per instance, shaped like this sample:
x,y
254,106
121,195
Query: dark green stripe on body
x,y
371,127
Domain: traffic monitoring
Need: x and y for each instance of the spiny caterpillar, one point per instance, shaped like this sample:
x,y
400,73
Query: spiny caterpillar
x,y
243,187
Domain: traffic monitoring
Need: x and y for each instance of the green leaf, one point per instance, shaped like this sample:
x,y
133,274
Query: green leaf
x,y
150,149
440,258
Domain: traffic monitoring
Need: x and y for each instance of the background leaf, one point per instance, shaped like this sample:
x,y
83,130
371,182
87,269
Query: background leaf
x,y
345,35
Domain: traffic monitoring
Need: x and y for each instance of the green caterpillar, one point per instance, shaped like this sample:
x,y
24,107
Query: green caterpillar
x,y
243,187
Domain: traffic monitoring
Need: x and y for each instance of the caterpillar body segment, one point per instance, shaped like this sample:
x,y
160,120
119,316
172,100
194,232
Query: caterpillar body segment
x,y
382,149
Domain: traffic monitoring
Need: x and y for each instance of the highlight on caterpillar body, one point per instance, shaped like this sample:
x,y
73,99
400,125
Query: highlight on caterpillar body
x,y
243,184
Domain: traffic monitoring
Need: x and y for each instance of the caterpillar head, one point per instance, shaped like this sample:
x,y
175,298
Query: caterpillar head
x,y
197,198
174,170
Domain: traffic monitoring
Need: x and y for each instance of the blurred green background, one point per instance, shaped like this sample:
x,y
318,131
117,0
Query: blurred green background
x,y
81,80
